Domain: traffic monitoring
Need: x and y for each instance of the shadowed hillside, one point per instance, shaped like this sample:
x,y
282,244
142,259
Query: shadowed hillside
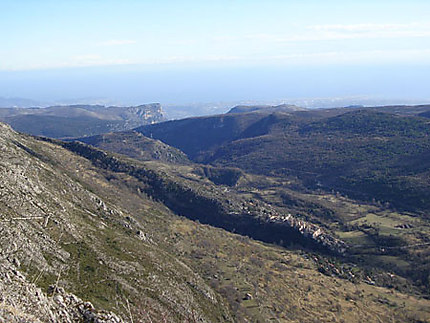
x,y
362,153
135,145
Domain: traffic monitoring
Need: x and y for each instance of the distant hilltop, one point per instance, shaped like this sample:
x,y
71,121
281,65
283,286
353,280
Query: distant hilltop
x,y
266,108
68,121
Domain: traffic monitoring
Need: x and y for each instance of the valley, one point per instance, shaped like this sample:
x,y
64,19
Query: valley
x,y
289,216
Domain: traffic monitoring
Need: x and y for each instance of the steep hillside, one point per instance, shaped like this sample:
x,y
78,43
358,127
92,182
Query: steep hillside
x,y
137,146
62,233
96,225
80,120
195,135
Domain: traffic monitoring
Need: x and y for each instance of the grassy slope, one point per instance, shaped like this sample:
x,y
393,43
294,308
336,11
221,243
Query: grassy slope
x,y
379,237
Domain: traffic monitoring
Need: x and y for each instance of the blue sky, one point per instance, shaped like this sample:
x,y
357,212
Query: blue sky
x,y
41,37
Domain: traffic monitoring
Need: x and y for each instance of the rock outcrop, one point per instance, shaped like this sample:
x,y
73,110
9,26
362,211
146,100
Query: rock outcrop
x,y
22,301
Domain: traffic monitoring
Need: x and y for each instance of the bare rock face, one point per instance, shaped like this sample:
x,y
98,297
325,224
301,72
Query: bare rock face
x,y
139,115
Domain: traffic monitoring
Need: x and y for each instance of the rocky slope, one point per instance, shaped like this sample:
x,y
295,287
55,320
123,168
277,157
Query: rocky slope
x,y
63,234
22,301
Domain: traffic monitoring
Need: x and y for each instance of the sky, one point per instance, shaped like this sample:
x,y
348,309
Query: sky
x,y
188,51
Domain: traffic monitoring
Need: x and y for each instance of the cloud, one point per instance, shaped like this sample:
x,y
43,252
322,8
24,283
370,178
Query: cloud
x,y
322,57
366,56
76,61
370,27
337,32
117,42
371,31
94,60
87,57
89,60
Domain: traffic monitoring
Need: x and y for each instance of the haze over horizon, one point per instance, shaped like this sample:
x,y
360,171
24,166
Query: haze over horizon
x,y
189,51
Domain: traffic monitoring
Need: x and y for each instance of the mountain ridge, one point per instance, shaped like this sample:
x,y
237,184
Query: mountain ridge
x,y
266,108
80,120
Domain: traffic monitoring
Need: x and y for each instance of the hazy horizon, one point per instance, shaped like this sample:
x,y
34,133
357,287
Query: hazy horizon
x,y
197,51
